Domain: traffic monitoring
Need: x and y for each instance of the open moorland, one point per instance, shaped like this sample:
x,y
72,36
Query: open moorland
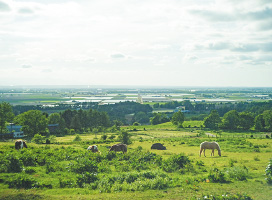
x,y
64,169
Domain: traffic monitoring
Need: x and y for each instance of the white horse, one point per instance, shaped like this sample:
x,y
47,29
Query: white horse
x,y
209,145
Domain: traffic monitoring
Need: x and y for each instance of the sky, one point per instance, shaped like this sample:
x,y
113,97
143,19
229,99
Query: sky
x,y
213,43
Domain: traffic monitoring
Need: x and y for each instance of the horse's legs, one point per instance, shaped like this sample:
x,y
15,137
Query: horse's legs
x,y
212,154
204,152
200,152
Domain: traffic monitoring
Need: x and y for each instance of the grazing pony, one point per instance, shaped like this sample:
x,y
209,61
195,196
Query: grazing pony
x,y
209,145
19,144
119,147
93,148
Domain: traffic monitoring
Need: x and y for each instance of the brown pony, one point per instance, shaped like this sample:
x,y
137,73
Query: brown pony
x,y
119,147
19,144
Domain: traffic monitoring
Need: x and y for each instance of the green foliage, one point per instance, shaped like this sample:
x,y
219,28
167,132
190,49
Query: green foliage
x,y
33,122
86,178
213,120
237,173
77,138
38,139
10,163
175,162
226,197
230,120
217,176
6,115
178,119
21,180
159,118
268,172
124,137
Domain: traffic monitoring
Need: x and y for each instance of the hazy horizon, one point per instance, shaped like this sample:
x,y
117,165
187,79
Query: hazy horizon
x,y
152,43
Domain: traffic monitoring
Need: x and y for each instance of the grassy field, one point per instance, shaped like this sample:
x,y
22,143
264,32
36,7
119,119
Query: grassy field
x,y
242,167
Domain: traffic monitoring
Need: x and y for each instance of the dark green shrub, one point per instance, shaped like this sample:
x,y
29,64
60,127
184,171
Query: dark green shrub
x,y
13,163
30,170
28,158
104,137
21,180
217,176
83,165
175,162
86,178
67,182
77,138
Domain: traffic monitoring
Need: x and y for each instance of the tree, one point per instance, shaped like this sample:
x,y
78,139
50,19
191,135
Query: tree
x,y
259,123
124,137
178,118
267,116
76,123
230,120
6,115
141,117
33,122
246,120
213,120
55,118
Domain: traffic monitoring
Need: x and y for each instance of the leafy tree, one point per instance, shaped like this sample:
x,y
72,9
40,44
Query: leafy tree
x,y
6,115
33,122
230,120
267,116
38,139
124,137
141,117
246,120
55,118
213,120
158,118
178,118
259,123
76,123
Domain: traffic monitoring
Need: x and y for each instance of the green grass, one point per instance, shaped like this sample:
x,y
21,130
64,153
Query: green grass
x,y
239,155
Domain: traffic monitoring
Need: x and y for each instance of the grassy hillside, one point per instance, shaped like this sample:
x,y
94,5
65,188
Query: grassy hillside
x,y
65,170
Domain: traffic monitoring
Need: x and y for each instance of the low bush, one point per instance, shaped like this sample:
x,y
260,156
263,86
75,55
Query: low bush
x,y
237,173
21,180
175,162
217,176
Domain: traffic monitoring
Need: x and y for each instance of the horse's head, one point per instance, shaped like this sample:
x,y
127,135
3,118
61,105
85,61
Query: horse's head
x,y
24,143
219,152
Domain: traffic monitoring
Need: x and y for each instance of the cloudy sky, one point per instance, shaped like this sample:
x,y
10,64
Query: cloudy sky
x,y
136,42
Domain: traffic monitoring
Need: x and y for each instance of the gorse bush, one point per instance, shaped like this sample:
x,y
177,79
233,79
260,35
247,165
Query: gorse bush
x,y
11,163
175,162
21,180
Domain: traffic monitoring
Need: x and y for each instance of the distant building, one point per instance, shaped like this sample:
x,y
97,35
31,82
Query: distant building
x,y
182,109
14,131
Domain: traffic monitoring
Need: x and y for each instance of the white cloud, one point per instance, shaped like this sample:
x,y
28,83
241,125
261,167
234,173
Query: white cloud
x,y
154,39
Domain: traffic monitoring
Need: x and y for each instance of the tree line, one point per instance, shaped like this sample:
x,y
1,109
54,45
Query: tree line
x,y
234,120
